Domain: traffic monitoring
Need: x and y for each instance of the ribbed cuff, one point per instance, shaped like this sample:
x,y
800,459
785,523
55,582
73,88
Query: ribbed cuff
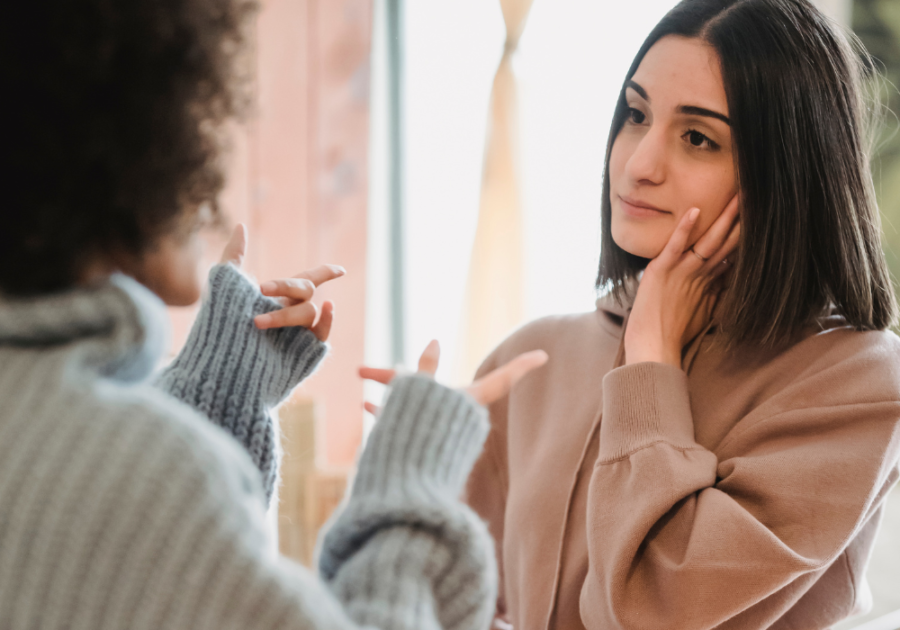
x,y
232,356
644,403
427,437
233,373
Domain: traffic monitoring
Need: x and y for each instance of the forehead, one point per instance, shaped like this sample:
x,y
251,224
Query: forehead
x,y
681,71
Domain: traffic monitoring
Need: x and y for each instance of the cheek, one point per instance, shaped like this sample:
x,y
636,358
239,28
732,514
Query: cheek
x,y
173,271
711,190
644,239
618,157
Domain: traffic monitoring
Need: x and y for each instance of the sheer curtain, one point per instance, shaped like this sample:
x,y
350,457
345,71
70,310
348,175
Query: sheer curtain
x,y
494,302
569,64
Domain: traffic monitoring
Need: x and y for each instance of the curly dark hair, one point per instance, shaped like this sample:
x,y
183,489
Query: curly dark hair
x,y
114,127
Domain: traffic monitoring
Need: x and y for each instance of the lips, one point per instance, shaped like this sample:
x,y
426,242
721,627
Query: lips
x,y
640,209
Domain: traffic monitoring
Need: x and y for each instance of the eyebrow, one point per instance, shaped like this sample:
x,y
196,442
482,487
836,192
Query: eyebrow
x,y
691,110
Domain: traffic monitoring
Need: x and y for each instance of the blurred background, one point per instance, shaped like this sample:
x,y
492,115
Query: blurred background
x,y
449,155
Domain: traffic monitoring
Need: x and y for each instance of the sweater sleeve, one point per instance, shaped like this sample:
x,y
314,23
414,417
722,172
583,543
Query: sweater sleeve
x,y
192,546
233,373
681,537
404,553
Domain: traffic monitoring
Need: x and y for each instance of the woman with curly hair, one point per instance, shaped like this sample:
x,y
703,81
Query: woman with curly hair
x,y
134,501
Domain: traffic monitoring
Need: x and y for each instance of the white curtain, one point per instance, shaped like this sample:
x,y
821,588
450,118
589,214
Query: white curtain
x,y
494,303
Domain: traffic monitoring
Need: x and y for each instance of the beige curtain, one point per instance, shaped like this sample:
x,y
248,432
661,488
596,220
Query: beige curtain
x,y
494,297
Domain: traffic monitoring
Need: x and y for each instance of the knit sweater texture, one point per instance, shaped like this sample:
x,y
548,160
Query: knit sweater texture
x,y
133,502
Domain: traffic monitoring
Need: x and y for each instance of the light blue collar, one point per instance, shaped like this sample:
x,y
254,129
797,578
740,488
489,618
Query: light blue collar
x,y
122,324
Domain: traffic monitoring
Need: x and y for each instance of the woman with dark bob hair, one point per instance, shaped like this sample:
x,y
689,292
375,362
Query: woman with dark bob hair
x,y
711,448
135,502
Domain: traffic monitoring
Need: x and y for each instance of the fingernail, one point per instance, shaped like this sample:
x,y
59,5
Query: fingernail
x,y
338,269
693,214
262,321
268,287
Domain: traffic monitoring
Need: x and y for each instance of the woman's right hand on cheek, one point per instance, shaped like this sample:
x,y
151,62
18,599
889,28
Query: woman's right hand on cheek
x,y
676,293
491,387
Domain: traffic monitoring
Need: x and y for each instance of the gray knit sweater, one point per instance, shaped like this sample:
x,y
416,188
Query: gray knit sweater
x,y
126,507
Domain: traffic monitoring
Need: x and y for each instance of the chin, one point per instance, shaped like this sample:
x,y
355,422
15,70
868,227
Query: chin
x,y
182,296
175,284
173,270
638,242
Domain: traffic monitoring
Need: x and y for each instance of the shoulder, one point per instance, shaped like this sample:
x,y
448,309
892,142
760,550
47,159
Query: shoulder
x,y
174,441
862,365
837,380
569,336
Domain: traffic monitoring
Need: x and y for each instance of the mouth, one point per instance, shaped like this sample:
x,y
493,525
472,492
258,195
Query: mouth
x,y
640,209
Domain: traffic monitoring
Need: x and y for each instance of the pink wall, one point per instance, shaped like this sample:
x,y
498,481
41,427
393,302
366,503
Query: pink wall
x,y
298,179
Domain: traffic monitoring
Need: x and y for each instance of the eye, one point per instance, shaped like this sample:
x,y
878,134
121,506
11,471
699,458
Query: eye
x,y
636,116
697,139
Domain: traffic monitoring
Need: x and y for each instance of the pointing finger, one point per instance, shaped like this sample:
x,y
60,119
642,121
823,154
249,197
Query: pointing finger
x,y
428,362
498,383
379,375
297,289
322,274
371,408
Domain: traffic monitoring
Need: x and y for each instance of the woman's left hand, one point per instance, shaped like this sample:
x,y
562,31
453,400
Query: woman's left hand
x,y
675,298
295,294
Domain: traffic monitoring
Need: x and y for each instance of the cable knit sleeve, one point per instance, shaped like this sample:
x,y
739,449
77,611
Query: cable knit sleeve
x,y
403,536
171,531
233,373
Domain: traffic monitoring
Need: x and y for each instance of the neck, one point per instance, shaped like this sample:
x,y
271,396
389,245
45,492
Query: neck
x,y
95,271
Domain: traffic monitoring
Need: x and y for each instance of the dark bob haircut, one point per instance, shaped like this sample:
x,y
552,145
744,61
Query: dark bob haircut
x,y
810,228
114,111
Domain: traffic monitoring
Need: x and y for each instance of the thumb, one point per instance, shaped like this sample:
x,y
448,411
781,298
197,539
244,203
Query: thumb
x,y
323,328
236,248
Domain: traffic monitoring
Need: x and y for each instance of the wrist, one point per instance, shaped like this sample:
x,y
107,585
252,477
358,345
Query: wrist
x,y
427,435
646,351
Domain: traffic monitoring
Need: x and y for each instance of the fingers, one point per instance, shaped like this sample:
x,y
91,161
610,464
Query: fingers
x,y
371,408
498,383
715,264
323,328
322,274
379,375
295,293
428,362
679,239
304,315
236,248
295,289
714,237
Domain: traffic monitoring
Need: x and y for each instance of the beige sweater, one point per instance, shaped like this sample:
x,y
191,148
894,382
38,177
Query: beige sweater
x,y
742,492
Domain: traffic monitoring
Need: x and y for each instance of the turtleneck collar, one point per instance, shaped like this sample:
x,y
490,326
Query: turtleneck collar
x,y
120,323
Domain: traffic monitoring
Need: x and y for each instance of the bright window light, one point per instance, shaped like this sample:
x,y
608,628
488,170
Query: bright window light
x,y
571,62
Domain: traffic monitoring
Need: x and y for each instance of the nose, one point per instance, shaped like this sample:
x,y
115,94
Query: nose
x,y
647,165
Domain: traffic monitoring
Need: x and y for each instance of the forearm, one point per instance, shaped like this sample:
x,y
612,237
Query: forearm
x,y
678,539
233,373
403,519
